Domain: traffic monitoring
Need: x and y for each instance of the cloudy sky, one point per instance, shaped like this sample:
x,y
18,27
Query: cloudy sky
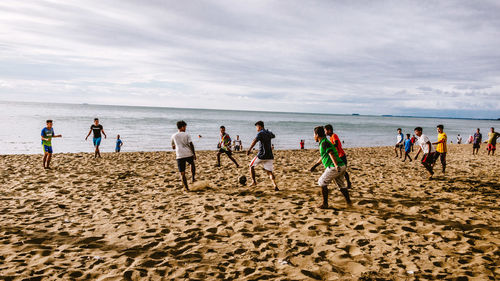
x,y
439,58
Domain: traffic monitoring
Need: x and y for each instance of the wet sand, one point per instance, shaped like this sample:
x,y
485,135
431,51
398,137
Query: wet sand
x,y
127,217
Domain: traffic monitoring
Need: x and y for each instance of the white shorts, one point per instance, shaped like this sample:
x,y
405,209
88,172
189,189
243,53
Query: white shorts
x,y
331,174
267,163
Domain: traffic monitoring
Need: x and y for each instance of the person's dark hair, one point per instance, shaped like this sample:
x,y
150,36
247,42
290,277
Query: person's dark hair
x,y
49,121
408,135
320,131
493,128
399,129
440,126
96,119
419,129
181,124
329,127
260,123
222,127
478,129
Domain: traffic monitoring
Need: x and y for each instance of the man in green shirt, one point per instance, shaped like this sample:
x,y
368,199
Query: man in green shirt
x,y
334,167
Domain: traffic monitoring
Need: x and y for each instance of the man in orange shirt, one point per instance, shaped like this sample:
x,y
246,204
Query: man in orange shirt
x,y
334,139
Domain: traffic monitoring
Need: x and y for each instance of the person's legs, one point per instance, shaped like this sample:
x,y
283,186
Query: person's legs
x,y
271,176
218,159
346,174
184,180
443,161
339,179
45,155
181,165
49,157
193,169
252,175
396,150
400,151
324,193
427,162
234,160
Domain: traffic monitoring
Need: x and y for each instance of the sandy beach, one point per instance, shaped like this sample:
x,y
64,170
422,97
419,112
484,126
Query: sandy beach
x,y
127,217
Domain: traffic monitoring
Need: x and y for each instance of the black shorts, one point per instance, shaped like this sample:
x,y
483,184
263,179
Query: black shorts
x,y
429,158
476,145
228,152
181,163
236,148
398,145
344,159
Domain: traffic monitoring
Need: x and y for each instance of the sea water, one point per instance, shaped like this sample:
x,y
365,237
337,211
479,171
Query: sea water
x,y
150,128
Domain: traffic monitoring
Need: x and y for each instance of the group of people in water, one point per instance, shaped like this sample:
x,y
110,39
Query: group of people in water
x,y
332,155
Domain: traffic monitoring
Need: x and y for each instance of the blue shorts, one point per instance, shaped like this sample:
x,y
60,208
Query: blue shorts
x,y
97,141
117,149
47,148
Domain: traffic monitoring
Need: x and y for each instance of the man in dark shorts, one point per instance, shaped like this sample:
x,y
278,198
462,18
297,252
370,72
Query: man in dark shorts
x,y
426,147
96,129
399,143
335,140
225,147
476,143
265,156
184,151
238,145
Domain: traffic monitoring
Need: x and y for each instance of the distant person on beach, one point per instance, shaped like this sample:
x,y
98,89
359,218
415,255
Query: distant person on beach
x,y
471,139
413,140
492,141
225,147
426,147
47,135
399,143
441,147
334,167
265,155
476,144
459,139
119,144
408,146
335,140
302,144
238,145
184,151
96,129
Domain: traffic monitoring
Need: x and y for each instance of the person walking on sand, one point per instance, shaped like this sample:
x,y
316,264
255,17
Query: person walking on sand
x,y
265,155
96,129
238,145
184,151
334,167
399,143
335,140
119,144
492,141
441,147
476,143
225,147
426,147
47,135
408,146
459,139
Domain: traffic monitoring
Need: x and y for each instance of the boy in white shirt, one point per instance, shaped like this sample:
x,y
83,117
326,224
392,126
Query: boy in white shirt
x,y
425,145
184,150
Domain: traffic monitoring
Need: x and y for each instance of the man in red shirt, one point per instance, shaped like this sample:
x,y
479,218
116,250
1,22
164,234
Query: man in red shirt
x,y
334,139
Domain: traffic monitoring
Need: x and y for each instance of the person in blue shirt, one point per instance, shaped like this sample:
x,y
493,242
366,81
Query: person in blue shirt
x,y
119,144
408,145
265,156
47,135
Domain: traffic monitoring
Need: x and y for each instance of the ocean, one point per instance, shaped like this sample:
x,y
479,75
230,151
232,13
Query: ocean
x,y
150,128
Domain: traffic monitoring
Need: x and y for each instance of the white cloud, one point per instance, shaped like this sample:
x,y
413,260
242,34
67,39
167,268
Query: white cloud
x,y
341,57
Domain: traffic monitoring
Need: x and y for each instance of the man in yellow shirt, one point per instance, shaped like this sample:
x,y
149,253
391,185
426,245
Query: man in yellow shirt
x,y
441,148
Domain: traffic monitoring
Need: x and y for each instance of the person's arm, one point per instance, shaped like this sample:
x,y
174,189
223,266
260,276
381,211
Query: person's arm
x,y
332,156
251,146
90,132
173,144
315,165
102,130
430,145
418,152
43,138
57,136
192,149
121,143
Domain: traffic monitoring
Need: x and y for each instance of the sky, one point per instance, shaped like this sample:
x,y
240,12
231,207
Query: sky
x,y
424,58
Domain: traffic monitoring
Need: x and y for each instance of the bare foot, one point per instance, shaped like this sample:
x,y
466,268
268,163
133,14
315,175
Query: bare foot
x,y
276,188
322,206
253,184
